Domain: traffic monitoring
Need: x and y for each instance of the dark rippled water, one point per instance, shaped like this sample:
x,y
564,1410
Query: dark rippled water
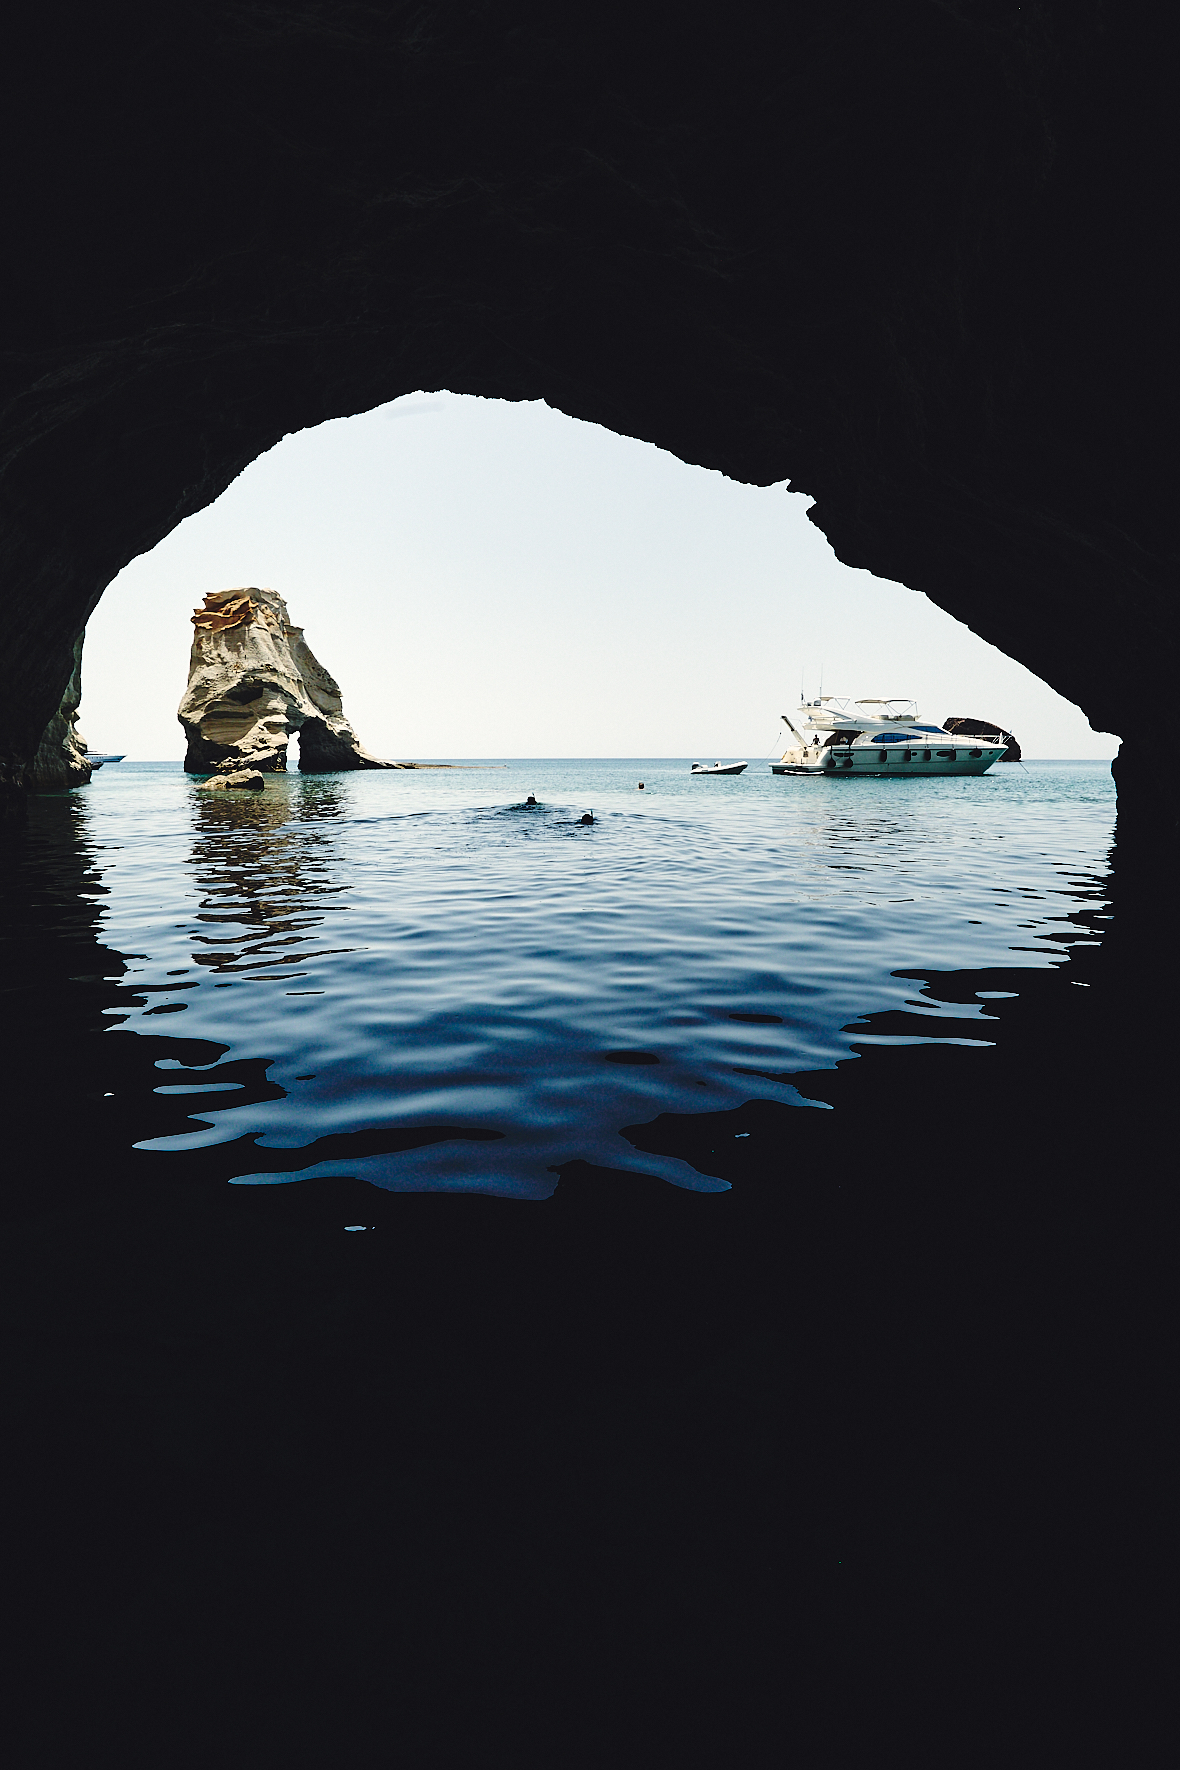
x,y
417,979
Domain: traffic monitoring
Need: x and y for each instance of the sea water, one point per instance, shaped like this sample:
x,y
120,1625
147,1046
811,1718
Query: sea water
x,y
420,979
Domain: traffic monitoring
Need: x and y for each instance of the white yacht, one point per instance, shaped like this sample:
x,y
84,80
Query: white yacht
x,y
834,735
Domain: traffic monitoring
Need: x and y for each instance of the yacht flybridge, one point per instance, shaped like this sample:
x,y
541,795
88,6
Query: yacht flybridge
x,y
834,735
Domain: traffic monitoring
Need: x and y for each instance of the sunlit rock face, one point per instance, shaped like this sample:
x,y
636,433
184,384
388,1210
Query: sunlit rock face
x,y
253,681
61,759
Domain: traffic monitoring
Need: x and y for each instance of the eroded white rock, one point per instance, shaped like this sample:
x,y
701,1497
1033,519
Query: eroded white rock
x,y
247,778
253,681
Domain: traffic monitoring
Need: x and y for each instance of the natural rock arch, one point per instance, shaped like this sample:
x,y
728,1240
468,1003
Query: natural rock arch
x,y
905,257
253,682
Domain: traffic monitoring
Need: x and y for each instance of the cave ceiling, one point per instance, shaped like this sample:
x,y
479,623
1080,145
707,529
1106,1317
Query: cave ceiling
x,y
912,258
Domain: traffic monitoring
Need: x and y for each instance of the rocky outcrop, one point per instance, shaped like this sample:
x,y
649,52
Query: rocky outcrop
x,y
241,779
253,680
985,728
61,759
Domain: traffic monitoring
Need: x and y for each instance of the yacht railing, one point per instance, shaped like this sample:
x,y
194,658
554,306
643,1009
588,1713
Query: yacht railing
x,y
835,710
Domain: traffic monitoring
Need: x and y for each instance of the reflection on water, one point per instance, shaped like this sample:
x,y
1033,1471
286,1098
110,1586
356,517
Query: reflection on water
x,y
427,983
259,878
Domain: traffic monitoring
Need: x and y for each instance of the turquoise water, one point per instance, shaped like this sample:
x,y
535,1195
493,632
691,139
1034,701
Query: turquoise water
x,y
380,959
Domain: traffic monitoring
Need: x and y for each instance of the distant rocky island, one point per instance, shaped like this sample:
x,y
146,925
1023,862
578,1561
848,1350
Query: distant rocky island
x,y
253,681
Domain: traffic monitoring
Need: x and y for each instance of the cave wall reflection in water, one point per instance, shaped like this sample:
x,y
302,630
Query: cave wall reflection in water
x,y
818,1412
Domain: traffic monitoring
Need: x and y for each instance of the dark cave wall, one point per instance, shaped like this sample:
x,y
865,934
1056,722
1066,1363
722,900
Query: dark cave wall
x,y
909,257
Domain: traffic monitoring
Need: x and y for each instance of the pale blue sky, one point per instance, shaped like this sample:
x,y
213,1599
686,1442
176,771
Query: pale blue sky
x,y
489,579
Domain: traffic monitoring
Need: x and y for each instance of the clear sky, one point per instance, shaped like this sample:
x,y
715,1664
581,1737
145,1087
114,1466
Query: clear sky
x,y
489,579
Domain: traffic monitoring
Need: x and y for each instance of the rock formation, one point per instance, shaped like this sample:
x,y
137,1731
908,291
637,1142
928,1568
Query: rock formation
x,y
240,779
985,728
252,681
61,759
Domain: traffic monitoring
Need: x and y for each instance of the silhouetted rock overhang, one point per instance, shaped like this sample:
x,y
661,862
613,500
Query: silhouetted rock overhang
x,y
907,257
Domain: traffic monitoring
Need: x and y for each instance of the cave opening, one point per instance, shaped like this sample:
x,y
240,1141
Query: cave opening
x,y
937,345
493,578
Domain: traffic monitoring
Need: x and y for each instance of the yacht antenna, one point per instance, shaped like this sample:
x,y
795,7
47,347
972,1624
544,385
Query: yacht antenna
x,y
821,682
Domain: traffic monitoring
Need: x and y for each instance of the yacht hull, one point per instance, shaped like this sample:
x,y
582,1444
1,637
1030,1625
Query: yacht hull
x,y
860,763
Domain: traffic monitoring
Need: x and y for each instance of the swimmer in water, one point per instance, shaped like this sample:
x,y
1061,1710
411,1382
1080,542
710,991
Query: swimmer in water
x,y
587,817
530,800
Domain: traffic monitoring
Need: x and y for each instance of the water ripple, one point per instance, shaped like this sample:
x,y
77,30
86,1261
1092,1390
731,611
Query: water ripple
x,y
490,990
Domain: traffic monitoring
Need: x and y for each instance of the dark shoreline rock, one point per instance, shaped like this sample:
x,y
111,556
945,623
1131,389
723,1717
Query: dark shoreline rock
x,y
249,779
61,759
985,728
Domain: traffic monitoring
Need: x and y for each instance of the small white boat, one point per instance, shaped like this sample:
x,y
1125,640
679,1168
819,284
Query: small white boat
x,y
718,768
835,735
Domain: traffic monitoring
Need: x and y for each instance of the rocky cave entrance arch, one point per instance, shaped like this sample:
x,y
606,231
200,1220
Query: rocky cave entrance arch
x,y
904,258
